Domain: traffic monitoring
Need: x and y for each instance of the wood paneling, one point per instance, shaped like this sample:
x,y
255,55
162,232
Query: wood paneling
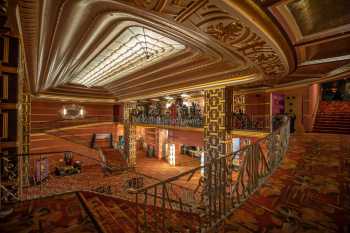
x,y
186,137
49,111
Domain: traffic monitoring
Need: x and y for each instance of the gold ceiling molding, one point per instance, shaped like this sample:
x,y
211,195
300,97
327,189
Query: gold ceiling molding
x,y
243,26
222,39
67,98
215,84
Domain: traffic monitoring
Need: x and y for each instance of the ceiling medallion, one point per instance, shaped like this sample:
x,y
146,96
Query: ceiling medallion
x,y
134,49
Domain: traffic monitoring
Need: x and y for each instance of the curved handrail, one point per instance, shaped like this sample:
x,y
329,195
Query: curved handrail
x,y
221,194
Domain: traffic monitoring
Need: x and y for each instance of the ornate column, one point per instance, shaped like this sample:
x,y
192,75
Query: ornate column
x,y
217,143
129,135
217,103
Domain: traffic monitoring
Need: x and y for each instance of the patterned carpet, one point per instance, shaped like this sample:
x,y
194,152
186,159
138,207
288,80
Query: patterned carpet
x,y
310,192
59,214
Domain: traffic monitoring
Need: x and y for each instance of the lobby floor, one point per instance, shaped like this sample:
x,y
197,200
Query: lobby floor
x,y
309,192
92,176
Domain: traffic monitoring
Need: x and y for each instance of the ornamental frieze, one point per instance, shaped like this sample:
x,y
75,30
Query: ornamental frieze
x,y
232,32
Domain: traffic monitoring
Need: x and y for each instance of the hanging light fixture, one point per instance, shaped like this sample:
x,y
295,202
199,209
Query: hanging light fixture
x,y
132,50
148,56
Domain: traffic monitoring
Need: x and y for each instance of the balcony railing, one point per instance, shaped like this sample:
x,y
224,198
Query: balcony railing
x,y
241,121
162,121
197,200
217,189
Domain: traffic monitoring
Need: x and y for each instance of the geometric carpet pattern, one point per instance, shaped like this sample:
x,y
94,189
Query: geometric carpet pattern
x,y
309,192
58,214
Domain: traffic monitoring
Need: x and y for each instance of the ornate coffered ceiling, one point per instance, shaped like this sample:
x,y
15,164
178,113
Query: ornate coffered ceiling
x,y
319,31
195,43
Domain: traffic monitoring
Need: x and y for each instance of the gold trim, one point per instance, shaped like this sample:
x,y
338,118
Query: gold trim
x,y
7,69
169,127
5,122
261,20
210,85
6,49
71,98
5,87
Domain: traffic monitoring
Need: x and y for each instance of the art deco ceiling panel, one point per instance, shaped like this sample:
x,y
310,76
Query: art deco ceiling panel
x,y
319,31
130,49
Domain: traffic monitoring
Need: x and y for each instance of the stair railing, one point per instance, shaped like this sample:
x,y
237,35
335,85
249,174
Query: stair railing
x,y
315,111
33,176
224,185
229,183
165,203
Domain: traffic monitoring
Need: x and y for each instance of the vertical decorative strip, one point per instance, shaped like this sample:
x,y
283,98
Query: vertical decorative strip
x,y
217,104
129,135
215,123
5,119
5,86
6,50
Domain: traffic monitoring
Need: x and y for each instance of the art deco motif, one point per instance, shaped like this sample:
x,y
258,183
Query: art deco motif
x,y
136,48
215,132
130,135
235,34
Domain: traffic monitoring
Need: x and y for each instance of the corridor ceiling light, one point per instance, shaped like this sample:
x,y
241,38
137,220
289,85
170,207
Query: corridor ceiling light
x,y
136,48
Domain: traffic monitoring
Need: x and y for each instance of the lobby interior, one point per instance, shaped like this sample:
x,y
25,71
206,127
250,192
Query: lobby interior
x,y
175,116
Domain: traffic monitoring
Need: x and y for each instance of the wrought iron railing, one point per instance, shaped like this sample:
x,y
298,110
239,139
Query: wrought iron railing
x,y
39,175
171,205
179,122
231,179
243,121
197,200
218,188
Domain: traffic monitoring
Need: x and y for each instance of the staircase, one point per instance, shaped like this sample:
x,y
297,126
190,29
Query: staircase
x,y
333,117
115,215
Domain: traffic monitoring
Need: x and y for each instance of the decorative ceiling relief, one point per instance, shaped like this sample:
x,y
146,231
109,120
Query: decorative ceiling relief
x,y
230,30
134,49
126,49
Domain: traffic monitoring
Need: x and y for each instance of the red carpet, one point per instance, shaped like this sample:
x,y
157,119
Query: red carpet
x,y
310,192
333,117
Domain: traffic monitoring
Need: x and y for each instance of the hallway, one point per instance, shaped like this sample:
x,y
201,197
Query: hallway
x,y
310,192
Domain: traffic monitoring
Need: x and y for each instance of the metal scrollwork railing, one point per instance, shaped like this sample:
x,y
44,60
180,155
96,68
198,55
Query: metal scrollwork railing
x,y
197,200
224,184
178,122
232,179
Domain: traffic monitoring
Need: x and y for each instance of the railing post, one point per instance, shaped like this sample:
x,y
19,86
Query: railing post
x,y
137,212
163,207
145,213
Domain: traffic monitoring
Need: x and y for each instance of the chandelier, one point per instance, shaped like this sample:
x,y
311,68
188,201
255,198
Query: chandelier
x,y
134,49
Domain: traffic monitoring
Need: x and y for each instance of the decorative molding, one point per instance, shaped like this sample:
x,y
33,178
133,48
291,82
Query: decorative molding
x,y
235,43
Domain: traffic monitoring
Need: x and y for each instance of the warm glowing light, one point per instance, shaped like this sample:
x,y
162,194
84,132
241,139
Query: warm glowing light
x,y
172,154
134,49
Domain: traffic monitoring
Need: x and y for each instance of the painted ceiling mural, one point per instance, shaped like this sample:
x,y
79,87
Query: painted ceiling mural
x,y
131,49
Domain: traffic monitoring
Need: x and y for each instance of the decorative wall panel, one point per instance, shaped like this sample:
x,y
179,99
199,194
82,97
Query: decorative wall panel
x,y
215,123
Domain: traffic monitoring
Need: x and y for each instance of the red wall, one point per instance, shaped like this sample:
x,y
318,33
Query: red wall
x,y
48,111
191,138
